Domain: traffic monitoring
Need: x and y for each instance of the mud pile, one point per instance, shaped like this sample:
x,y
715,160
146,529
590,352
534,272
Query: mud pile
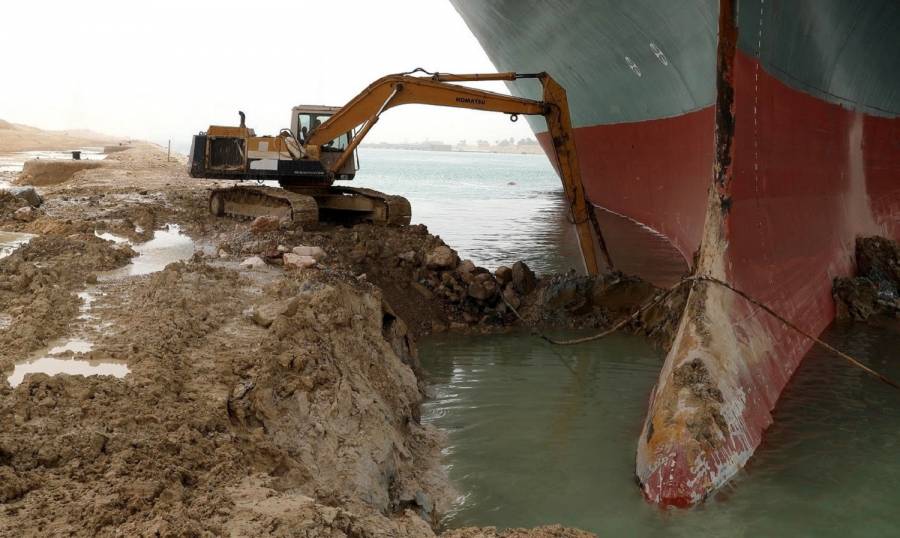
x,y
38,286
875,291
308,425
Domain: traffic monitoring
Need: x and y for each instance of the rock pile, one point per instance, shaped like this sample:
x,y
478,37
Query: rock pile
x,y
438,290
875,291
482,296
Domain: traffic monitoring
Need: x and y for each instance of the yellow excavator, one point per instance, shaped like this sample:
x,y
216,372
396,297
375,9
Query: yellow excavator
x,y
320,148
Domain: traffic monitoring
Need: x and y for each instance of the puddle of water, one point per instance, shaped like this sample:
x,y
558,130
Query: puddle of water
x,y
111,237
55,365
75,345
167,246
10,241
87,297
5,320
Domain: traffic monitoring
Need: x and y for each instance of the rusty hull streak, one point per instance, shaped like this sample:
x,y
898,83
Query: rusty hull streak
x,y
724,130
692,439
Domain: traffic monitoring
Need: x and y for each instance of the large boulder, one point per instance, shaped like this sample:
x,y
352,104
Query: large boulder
x,y
477,291
523,278
483,287
441,258
253,262
875,290
569,294
263,224
266,314
296,261
856,298
503,274
465,270
408,256
315,252
28,194
509,297
25,214
879,259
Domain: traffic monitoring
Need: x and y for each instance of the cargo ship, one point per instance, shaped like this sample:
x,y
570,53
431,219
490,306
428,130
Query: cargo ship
x,y
748,140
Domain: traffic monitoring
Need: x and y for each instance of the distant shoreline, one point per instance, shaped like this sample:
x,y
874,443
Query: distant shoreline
x,y
530,149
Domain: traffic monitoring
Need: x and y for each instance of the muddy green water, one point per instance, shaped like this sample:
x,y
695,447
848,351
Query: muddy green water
x,y
494,209
541,434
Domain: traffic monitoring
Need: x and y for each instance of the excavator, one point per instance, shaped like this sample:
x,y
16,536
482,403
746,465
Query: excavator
x,y
320,148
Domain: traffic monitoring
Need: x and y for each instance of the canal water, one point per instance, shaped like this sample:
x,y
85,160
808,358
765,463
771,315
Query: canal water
x,y
492,208
541,434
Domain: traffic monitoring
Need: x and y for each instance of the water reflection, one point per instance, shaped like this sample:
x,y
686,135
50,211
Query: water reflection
x,y
167,246
10,241
55,365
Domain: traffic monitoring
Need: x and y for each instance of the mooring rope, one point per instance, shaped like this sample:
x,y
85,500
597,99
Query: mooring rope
x,y
705,278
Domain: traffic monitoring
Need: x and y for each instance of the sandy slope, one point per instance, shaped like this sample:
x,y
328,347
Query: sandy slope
x,y
16,137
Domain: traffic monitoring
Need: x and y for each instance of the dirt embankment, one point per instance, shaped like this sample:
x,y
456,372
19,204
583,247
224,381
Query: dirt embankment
x,y
427,282
261,399
223,425
42,172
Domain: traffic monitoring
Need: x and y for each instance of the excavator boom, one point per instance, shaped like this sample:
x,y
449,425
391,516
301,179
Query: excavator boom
x,y
363,112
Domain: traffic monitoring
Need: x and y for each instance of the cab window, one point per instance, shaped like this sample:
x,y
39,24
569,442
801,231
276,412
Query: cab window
x,y
307,122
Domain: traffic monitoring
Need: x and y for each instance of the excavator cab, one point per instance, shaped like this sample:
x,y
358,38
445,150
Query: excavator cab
x,y
305,119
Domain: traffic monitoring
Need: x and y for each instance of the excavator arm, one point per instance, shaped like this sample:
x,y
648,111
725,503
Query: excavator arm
x,y
364,110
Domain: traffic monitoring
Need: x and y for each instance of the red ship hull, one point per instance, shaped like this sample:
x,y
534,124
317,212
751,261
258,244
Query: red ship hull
x,y
747,140
807,178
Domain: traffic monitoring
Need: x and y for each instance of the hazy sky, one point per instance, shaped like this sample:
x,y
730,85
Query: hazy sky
x,y
166,69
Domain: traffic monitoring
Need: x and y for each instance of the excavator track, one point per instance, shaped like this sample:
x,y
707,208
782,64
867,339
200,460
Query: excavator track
x,y
397,209
251,202
306,205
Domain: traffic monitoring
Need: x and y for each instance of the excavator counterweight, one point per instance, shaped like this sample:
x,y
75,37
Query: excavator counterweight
x,y
320,148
